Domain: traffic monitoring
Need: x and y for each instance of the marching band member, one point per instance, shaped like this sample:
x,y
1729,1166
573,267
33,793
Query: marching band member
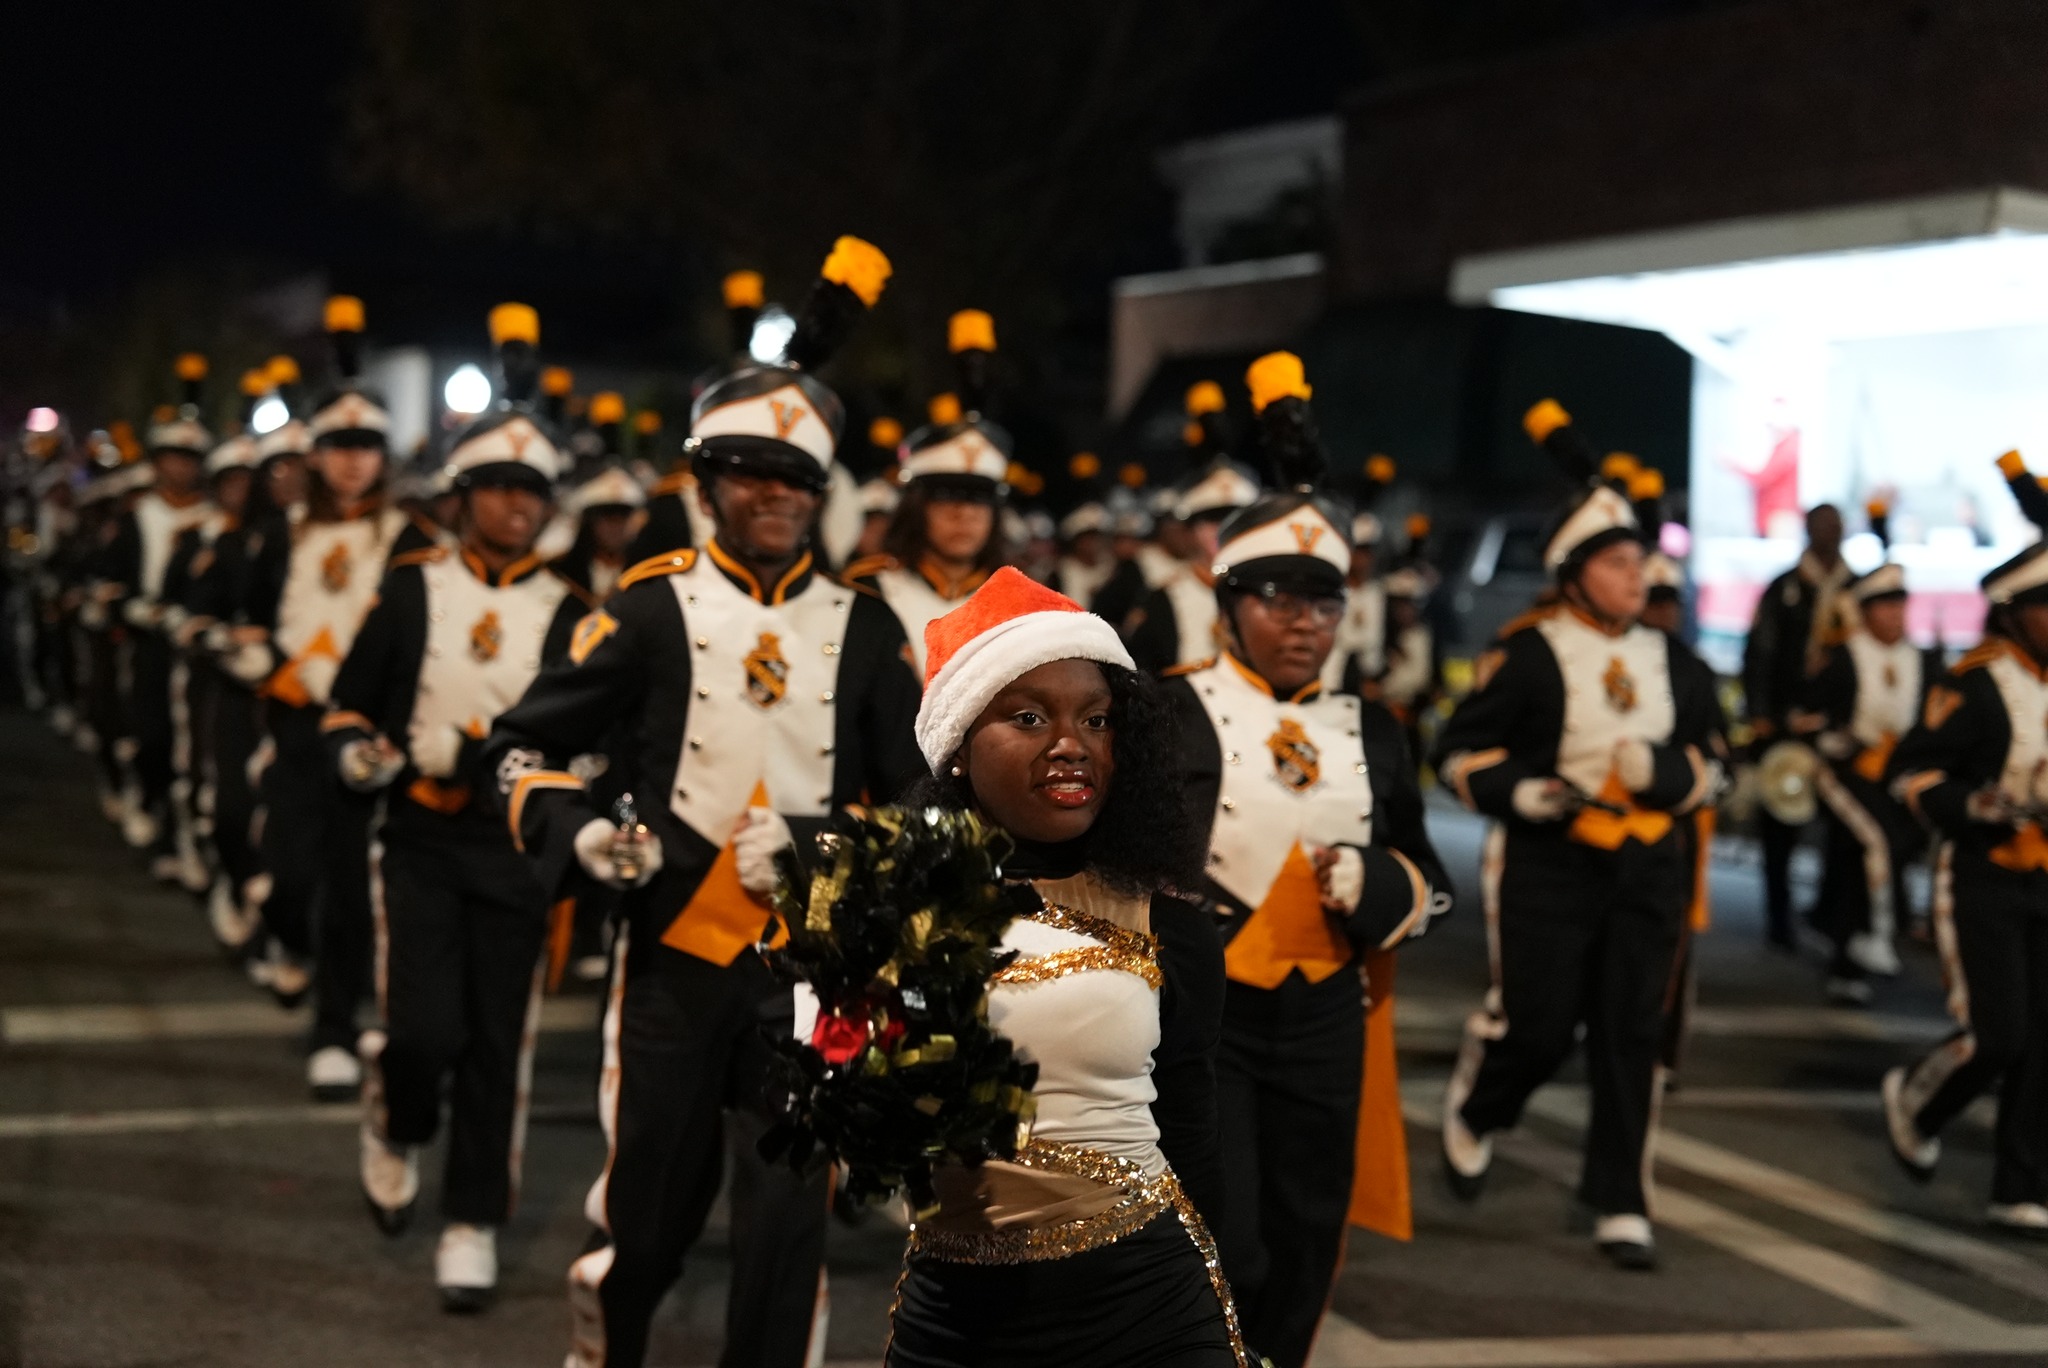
x,y
136,561
313,580
1407,684
1975,766
608,507
1360,653
1319,864
1589,748
1085,564
1176,623
1864,698
1797,619
453,640
757,693
945,536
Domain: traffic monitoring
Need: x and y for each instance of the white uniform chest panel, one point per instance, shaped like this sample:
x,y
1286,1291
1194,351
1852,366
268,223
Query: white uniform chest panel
x,y
2026,707
1887,688
1408,675
916,604
1293,774
158,525
1361,635
483,645
1092,1035
1083,582
1615,689
764,689
1194,617
335,570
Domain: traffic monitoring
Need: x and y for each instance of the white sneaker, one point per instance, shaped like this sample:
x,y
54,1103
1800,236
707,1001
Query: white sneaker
x,y
86,739
138,827
391,1180
63,719
193,875
592,968
1875,954
2022,1218
1467,1157
334,1074
586,1310
1916,1153
233,925
276,970
1627,1241
111,806
466,1267
165,869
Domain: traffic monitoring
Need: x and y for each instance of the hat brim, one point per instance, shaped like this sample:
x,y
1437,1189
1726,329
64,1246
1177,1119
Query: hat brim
x,y
352,437
763,458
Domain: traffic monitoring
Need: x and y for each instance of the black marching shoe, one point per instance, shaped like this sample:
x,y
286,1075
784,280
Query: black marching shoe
x,y
1627,1241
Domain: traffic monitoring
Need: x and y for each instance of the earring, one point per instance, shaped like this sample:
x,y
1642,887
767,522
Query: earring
x,y
956,771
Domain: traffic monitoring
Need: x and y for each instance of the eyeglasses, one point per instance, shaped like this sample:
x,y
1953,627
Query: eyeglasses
x,y
1324,610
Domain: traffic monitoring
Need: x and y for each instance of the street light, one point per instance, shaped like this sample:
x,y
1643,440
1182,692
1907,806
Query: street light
x,y
42,420
468,390
772,331
271,414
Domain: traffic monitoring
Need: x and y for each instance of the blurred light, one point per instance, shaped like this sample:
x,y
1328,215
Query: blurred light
x,y
271,414
467,391
1675,540
772,331
42,420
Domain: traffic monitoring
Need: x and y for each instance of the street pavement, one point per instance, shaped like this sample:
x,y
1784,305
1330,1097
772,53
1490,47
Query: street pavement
x,y
169,1196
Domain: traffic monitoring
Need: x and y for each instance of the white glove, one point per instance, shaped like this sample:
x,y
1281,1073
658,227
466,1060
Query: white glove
x,y
1344,880
1835,745
595,844
249,662
219,638
436,749
1542,800
189,629
1635,764
367,766
92,615
317,674
139,612
762,833
1990,806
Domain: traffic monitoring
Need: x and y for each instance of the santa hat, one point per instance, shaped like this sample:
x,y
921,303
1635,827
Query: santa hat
x,y
1009,627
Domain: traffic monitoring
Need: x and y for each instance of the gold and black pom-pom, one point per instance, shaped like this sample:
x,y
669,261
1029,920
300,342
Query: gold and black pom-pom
x,y
896,923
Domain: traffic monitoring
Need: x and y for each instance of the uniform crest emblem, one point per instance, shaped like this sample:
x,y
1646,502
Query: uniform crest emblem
x,y
1891,676
1295,758
1306,535
1620,686
487,637
767,672
592,630
787,415
336,569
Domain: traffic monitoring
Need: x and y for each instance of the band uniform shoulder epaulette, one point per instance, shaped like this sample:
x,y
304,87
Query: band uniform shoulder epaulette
x,y
667,563
867,567
672,483
575,588
1977,657
426,555
1191,667
1541,613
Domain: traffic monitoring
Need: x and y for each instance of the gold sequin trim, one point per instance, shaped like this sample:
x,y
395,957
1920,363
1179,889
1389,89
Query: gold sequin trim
x,y
1079,960
1144,1198
1065,918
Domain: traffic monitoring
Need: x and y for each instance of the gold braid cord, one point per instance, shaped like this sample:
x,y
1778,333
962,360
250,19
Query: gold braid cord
x,y
1122,950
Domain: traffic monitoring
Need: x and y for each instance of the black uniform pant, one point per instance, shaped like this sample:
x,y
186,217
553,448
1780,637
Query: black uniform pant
x,y
1870,838
234,723
1288,1071
685,1045
1779,841
1584,936
107,706
460,927
316,844
1998,983
149,706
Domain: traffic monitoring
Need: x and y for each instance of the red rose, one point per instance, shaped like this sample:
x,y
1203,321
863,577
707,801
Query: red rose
x,y
839,1038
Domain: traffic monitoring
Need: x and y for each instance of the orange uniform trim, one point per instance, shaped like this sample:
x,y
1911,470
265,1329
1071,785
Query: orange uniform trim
x,y
426,555
342,720
435,796
537,779
667,563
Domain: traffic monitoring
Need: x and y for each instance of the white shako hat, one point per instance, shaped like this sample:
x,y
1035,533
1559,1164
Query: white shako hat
x,y
880,496
1008,627
511,444
1218,485
350,415
2024,578
611,487
1294,537
780,420
1597,516
180,429
960,453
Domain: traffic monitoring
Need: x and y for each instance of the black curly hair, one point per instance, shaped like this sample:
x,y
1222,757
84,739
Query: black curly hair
x,y
1145,840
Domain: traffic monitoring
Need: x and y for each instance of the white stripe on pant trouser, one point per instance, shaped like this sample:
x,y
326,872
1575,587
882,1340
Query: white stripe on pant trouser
x,y
370,1045
587,1274
522,1096
1877,851
1926,1078
1490,1022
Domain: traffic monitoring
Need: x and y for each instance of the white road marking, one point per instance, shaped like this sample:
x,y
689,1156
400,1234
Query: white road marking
x,y
2003,1267
124,1023
168,1120
1755,1022
1600,1351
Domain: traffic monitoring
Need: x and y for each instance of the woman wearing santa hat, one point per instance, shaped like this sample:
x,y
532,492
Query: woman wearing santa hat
x,y
1088,1247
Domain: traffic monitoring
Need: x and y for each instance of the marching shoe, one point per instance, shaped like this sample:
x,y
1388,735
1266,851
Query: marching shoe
x,y
63,719
287,979
391,1180
1916,1153
334,1074
111,806
466,1267
1626,1240
1843,991
1467,1157
85,739
165,868
2021,1218
233,925
591,968
138,828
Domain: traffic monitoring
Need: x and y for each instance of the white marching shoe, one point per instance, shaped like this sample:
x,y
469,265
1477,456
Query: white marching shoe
x,y
2021,1218
391,1180
334,1074
1627,1241
1916,1153
286,978
466,1267
234,925
1467,1157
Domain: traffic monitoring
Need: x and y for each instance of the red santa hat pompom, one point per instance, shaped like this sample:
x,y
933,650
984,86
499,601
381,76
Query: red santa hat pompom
x,y
1009,627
